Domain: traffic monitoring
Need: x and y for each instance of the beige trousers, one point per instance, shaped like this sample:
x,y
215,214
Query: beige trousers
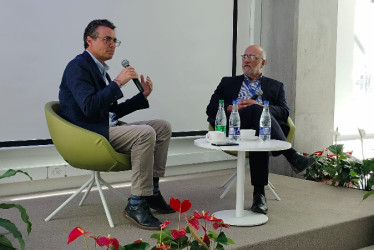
x,y
148,143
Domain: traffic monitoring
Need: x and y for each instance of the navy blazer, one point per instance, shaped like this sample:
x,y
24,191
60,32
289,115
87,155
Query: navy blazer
x,y
86,99
229,88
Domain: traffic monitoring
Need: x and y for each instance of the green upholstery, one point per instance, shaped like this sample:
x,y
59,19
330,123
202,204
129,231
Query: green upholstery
x,y
292,127
82,148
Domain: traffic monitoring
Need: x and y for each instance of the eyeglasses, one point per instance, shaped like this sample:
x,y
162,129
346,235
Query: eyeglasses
x,y
108,40
251,57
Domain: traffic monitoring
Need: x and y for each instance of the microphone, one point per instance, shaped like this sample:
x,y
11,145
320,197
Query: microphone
x,y
125,63
258,93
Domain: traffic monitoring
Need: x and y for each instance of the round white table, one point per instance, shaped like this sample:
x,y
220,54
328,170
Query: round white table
x,y
239,216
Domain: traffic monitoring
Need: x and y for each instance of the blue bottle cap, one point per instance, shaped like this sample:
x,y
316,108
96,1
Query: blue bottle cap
x,y
266,102
235,102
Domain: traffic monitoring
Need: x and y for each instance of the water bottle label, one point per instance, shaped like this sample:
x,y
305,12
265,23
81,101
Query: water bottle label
x,y
234,131
221,128
265,131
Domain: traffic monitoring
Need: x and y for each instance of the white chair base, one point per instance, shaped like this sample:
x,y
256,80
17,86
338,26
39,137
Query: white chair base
x,y
95,178
232,179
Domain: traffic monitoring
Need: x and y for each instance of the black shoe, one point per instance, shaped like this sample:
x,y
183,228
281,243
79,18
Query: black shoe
x,y
259,204
158,203
299,162
141,216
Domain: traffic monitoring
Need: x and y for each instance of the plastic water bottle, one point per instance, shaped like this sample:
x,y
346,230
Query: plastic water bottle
x,y
221,117
234,122
265,123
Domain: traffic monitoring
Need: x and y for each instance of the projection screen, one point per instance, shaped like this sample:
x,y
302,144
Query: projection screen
x,y
184,46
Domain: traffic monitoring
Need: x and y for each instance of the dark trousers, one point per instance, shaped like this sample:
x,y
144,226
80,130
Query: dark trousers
x,y
259,161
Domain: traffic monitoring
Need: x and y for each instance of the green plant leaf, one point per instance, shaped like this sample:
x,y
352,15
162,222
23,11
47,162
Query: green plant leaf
x,y
229,240
222,238
135,246
5,244
196,246
22,210
336,149
163,236
212,235
8,225
368,194
12,172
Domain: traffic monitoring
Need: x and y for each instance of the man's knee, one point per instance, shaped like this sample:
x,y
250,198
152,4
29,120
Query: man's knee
x,y
147,133
164,126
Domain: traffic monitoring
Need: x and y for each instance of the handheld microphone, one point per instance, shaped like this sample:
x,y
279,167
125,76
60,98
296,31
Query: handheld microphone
x,y
258,93
125,63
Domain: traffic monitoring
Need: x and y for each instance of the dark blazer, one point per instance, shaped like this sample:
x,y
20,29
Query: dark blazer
x,y
86,99
229,88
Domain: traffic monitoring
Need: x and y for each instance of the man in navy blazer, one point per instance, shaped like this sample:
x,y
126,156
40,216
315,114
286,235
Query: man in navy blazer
x,y
245,89
89,99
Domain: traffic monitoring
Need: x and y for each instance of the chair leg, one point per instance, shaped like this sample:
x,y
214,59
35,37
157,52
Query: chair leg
x,y
228,180
233,180
105,205
121,196
92,179
87,191
271,188
95,178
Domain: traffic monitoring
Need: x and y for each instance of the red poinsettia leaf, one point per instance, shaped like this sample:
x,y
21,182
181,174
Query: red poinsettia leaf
x,y
75,233
214,219
185,206
175,204
193,222
137,241
115,243
176,234
197,215
206,239
165,224
318,153
216,225
102,241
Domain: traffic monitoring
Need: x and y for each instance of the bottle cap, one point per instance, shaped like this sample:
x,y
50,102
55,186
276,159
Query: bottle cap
x,y
235,102
266,102
220,101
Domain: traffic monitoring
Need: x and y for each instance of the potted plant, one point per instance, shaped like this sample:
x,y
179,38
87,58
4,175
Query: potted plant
x,y
10,226
178,238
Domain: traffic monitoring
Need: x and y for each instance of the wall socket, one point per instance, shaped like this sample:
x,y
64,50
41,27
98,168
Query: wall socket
x,y
56,172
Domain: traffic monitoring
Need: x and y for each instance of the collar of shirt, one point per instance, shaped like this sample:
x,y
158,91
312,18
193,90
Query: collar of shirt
x,y
255,84
248,89
102,67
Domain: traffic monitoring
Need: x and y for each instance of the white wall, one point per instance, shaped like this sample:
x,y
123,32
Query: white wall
x,y
184,46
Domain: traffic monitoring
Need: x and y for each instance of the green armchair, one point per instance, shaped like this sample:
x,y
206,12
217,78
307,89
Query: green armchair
x,y
84,149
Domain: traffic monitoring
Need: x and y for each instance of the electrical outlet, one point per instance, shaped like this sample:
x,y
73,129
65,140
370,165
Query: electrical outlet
x,y
56,171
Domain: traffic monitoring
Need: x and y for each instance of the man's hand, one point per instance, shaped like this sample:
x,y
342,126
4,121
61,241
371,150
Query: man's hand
x,y
245,103
125,76
242,104
147,85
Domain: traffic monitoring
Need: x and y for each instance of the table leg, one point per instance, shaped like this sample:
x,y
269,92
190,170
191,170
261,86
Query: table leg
x,y
240,170
239,216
